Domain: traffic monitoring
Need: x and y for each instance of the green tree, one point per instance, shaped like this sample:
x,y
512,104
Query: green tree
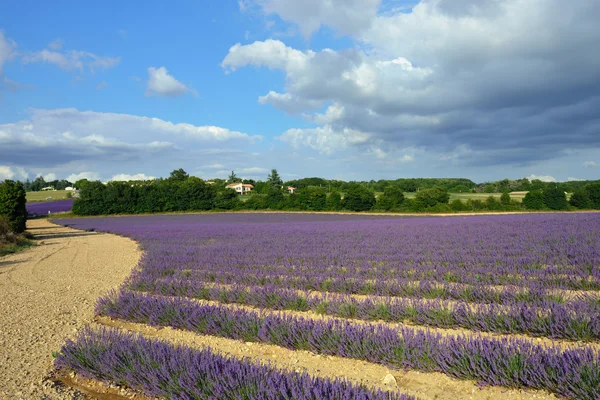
x,y
555,199
430,197
593,192
489,188
274,197
391,199
358,198
534,200
580,199
233,178
178,175
505,198
12,204
312,198
458,205
274,179
227,199
493,204
334,201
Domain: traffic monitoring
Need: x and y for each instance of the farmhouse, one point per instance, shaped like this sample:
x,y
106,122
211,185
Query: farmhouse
x,y
241,188
291,189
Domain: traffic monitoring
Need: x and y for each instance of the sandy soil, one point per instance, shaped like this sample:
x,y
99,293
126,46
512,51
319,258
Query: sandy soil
x,y
47,293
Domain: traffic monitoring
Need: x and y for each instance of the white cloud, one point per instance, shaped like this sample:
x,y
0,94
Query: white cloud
x,y
56,44
90,176
6,172
215,166
251,170
407,158
18,173
102,85
162,83
499,78
347,16
590,164
50,177
72,60
7,50
543,178
325,139
99,141
571,179
136,177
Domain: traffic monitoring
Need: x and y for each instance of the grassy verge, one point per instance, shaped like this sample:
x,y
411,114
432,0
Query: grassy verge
x,y
15,244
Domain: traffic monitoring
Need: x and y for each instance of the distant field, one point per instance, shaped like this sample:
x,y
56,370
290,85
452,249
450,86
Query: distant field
x,y
41,196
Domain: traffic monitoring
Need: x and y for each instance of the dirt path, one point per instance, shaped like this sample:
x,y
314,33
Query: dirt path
x,y
47,293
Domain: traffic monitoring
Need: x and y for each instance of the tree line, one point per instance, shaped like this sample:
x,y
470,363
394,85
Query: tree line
x,y
39,183
181,192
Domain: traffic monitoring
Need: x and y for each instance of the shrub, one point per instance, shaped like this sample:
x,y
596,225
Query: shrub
x,y
312,198
580,199
391,199
593,192
505,198
457,205
334,201
430,197
492,204
555,199
227,199
534,200
13,205
358,198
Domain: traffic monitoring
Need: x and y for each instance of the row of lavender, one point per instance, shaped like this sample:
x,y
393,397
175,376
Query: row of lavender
x,y
532,310
577,320
512,362
542,251
163,370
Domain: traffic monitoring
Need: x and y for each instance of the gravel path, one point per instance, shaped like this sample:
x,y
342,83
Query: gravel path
x,y
47,293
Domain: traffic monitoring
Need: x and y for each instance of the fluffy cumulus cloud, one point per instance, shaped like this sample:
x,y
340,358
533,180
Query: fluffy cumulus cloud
x,y
347,16
482,83
160,82
128,177
90,176
543,178
71,140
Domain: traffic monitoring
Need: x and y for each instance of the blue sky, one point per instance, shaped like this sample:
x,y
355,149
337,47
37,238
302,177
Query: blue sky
x,y
353,89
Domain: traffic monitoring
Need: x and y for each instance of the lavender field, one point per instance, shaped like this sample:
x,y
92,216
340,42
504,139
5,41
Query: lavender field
x,y
370,288
35,209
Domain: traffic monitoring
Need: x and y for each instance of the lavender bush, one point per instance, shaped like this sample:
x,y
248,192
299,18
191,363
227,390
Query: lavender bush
x,y
513,362
160,369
